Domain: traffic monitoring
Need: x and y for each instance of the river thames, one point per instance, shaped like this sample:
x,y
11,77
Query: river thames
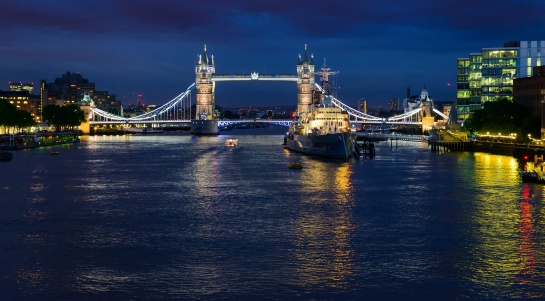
x,y
174,217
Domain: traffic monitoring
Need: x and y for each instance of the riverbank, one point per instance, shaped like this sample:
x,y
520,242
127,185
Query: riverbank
x,y
525,152
24,141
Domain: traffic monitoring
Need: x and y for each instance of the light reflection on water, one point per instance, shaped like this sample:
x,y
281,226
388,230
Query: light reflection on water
x,y
175,216
324,258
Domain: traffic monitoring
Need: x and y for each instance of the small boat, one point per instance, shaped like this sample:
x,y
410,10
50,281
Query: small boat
x,y
532,177
231,142
55,153
536,175
5,156
295,166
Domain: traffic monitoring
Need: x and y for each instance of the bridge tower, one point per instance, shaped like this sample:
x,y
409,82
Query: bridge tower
x,y
305,82
426,116
85,105
205,122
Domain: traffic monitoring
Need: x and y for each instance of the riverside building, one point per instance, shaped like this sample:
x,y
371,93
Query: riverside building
x,y
71,88
530,92
23,100
489,75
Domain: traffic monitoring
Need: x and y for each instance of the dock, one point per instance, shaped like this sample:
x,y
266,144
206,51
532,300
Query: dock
x,y
25,141
450,146
365,149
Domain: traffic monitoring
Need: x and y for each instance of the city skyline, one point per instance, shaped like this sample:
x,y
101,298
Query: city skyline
x,y
379,49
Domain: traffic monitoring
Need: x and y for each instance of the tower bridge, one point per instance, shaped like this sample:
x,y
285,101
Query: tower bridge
x,y
206,122
254,76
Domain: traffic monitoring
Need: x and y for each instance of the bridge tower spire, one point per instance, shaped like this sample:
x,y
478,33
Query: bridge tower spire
x,y
305,82
205,122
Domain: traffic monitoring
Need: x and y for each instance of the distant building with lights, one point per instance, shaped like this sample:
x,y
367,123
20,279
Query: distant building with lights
x,y
23,100
530,92
394,104
489,75
362,105
413,102
107,102
71,88
19,86
67,89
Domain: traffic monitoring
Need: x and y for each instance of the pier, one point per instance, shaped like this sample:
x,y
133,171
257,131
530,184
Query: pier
x,y
450,146
16,142
365,149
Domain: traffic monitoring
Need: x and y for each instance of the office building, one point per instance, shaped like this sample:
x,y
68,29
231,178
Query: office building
x,y
489,75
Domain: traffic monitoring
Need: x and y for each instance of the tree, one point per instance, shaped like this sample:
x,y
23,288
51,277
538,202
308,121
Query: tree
x,y
228,114
11,118
504,116
74,116
63,118
51,114
24,120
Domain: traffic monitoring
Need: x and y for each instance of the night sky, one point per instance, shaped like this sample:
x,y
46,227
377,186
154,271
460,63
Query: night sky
x,y
150,47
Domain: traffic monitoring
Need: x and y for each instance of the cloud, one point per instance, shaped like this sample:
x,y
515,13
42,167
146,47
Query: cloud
x,y
133,40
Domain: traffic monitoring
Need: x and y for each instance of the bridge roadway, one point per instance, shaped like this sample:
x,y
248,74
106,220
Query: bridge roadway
x,y
221,123
392,136
238,121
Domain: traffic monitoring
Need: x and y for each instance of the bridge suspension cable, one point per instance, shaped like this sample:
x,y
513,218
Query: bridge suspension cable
x,y
176,110
357,115
179,110
351,111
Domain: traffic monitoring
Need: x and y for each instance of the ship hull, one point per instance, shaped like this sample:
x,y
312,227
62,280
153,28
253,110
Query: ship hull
x,y
337,145
204,127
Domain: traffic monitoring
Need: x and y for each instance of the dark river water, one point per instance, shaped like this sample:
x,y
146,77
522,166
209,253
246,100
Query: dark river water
x,y
174,217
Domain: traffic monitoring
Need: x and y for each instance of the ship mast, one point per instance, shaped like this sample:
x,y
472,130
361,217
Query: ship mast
x,y
324,77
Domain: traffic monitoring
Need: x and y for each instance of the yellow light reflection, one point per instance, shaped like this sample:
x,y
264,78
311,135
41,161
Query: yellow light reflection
x,y
502,222
207,170
324,255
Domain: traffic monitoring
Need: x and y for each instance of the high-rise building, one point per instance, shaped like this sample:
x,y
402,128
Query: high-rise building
x,y
71,88
488,75
362,105
67,89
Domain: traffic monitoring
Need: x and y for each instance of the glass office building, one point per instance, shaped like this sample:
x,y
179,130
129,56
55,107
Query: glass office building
x,y
488,75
